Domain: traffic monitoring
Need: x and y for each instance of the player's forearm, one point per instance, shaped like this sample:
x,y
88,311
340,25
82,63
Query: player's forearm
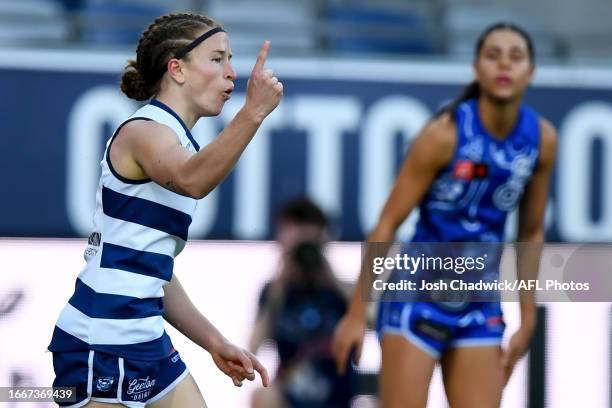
x,y
358,306
378,244
181,313
206,169
529,249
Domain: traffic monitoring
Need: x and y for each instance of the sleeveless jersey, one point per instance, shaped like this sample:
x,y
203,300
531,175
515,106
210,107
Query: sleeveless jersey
x,y
117,305
471,198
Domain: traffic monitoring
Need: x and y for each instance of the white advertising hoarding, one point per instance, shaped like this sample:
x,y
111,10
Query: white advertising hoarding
x,y
224,280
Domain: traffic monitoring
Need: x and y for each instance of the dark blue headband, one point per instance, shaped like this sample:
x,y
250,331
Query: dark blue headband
x,y
183,51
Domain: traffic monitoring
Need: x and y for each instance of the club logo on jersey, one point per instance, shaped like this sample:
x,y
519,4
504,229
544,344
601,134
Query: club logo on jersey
x,y
104,383
140,388
468,170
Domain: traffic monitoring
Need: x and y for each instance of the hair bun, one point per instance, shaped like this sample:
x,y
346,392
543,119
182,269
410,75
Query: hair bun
x,y
132,83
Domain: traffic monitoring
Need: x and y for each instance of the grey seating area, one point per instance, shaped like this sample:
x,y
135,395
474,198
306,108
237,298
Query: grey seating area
x,y
303,27
117,23
291,27
32,23
562,29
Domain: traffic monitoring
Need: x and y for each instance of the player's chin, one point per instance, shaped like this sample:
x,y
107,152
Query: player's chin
x,y
504,95
217,109
221,103
214,109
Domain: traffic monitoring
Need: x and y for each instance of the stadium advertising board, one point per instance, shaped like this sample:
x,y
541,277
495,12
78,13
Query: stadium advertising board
x,y
338,136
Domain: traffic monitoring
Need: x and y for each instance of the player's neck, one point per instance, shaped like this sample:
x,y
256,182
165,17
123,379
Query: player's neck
x,y
180,107
498,119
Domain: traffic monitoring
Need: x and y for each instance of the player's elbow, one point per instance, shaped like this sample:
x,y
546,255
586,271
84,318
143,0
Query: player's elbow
x,y
197,188
196,191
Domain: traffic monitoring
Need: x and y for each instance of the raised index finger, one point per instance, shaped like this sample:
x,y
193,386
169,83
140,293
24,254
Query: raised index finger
x,y
261,57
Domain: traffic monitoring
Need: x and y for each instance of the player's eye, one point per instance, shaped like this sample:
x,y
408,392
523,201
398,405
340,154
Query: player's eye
x,y
491,55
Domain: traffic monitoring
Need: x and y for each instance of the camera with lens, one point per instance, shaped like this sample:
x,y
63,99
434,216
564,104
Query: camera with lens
x,y
309,260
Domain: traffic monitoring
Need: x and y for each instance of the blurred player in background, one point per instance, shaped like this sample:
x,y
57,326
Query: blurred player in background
x,y
109,341
299,310
471,165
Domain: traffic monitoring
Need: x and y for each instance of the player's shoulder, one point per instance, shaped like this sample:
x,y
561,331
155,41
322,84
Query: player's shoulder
x,y
441,131
547,129
142,125
548,140
437,140
141,129
548,133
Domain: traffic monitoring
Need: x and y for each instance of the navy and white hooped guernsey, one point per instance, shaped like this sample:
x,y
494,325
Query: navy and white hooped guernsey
x,y
117,305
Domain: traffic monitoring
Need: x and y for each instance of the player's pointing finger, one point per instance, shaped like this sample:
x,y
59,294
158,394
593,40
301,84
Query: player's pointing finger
x,y
261,57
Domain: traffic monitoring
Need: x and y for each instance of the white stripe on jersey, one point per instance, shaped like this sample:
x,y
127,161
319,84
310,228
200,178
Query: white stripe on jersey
x,y
140,238
109,331
118,282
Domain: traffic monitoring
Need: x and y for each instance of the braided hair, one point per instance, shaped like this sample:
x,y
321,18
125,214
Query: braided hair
x,y
142,77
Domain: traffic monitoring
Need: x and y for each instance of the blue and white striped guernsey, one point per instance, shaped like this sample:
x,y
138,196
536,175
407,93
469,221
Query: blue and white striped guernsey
x,y
139,228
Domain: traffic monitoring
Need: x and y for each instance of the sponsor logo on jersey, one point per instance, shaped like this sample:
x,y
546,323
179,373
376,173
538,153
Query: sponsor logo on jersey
x,y
468,170
464,169
140,388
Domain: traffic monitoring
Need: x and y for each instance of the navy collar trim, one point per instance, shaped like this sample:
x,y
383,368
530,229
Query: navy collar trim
x,y
168,109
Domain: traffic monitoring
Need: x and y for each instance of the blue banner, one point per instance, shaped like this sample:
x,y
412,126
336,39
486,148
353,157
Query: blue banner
x,y
337,138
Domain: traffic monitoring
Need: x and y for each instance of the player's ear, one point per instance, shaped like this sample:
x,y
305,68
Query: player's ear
x,y
475,70
175,70
532,70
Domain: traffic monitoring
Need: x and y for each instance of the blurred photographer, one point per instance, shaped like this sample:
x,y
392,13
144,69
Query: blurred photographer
x,y
298,311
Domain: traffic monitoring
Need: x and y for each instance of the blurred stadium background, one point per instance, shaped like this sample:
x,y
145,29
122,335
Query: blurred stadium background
x,y
361,78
